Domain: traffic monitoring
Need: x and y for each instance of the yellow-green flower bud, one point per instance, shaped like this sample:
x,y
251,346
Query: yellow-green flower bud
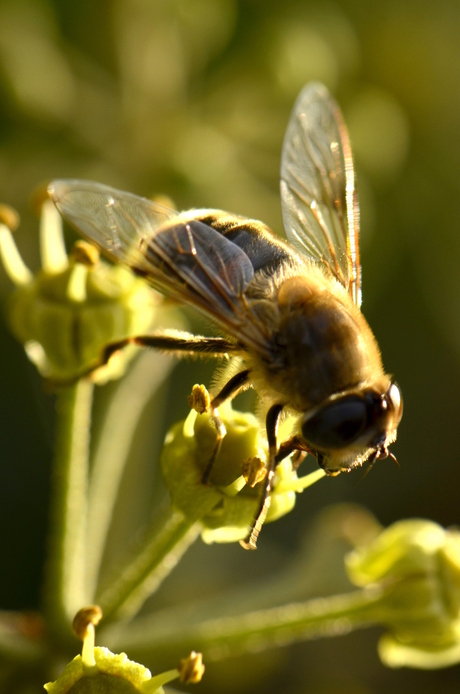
x,y
225,505
416,564
65,319
114,674
98,671
69,311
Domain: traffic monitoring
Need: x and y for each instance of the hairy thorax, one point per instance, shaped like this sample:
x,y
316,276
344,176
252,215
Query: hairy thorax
x,y
321,344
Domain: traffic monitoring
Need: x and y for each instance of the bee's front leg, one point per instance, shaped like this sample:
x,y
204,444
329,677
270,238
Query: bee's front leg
x,y
272,422
175,341
170,341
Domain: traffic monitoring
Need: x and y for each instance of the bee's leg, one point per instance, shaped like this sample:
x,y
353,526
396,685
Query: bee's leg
x,y
230,390
174,342
194,344
272,422
295,443
56,384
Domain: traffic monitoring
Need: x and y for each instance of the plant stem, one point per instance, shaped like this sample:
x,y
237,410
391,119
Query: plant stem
x,y
162,549
112,449
229,636
65,583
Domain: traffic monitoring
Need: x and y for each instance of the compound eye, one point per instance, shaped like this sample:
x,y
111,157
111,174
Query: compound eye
x,y
337,424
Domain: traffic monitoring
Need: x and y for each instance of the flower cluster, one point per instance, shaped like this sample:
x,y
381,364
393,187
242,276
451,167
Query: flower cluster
x,y
98,671
227,504
73,306
416,565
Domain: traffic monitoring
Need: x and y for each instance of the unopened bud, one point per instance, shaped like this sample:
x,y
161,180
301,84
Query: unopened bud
x,y
85,253
85,617
9,217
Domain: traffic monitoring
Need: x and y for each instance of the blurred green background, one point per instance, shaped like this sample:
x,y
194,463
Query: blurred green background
x,y
191,98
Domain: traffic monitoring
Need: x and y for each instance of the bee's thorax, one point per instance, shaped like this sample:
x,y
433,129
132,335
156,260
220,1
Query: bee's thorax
x,y
321,345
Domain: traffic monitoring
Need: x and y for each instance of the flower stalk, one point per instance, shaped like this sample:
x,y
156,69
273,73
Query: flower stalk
x,y
161,551
111,452
224,637
65,584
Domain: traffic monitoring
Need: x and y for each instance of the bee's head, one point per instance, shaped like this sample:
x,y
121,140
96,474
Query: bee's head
x,y
353,427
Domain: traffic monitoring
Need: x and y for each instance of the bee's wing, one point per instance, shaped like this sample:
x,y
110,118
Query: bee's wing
x,y
318,193
183,258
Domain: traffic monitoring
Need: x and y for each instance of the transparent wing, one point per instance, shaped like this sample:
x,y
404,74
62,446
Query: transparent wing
x,y
318,192
179,256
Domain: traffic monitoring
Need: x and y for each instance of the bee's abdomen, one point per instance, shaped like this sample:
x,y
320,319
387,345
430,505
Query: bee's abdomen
x,y
264,249
264,254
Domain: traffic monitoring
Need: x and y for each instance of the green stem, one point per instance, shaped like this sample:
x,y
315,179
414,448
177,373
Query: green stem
x,y
65,583
162,549
229,636
112,449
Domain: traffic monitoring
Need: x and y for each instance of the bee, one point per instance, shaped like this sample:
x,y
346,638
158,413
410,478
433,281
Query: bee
x,y
289,311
